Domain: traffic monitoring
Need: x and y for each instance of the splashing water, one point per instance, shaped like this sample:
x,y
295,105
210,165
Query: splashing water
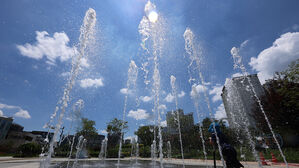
x,y
174,93
236,105
103,152
75,116
151,27
71,151
79,147
133,145
131,83
194,55
153,153
238,64
86,36
137,153
168,150
195,98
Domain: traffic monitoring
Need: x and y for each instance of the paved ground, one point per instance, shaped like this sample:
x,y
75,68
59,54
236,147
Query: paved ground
x,y
9,162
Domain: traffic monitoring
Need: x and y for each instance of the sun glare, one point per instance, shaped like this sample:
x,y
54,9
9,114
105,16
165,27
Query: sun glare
x,y
153,16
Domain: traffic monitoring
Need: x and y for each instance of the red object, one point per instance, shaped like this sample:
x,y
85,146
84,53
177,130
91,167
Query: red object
x,y
274,160
263,159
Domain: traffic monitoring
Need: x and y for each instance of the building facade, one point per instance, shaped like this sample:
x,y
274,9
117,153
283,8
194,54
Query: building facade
x,y
239,100
186,121
5,124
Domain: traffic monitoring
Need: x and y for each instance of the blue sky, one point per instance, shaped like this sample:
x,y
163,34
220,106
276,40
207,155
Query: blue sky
x,y
30,88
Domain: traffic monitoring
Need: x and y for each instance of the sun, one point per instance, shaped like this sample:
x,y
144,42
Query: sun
x,y
153,16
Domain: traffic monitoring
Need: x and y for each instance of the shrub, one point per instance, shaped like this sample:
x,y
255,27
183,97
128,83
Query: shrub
x,y
28,150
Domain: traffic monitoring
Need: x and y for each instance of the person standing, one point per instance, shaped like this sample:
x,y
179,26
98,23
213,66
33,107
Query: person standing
x,y
229,152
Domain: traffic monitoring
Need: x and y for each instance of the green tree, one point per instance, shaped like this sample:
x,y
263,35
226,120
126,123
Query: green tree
x,y
87,128
281,101
146,134
114,129
115,126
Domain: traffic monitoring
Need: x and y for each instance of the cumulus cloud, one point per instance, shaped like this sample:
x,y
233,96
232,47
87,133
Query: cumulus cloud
x,y
65,74
162,107
164,123
87,83
84,63
146,98
169,98
52,48
20,112
182,94
237,75
220,112
196,89
283,51
216,92
125,91
139,114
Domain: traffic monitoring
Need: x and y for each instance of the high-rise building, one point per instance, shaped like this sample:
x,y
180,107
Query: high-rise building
x,y
5,124
186,121
239,100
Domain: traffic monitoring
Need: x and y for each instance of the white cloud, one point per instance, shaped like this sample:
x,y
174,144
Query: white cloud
x,y
237,75
125,91
169,98
162,107
103,132
146,98
216,92
84,63
86,83
65,74
164,123
20,113
139,114
196,89
220,112
182,94
283,51
52,48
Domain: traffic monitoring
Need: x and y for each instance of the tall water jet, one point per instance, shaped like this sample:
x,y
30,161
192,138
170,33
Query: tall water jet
x,y
194,55
102,154
137,153
195,97
174,93
238,64
133,145
168,150
86,36
153,153
131,83
78,148
236,106
151,27
74,116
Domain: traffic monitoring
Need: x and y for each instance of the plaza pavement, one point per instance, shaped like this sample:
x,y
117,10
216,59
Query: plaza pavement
x,y
10,162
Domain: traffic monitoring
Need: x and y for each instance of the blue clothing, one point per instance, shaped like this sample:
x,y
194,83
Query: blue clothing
x,y
211,128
